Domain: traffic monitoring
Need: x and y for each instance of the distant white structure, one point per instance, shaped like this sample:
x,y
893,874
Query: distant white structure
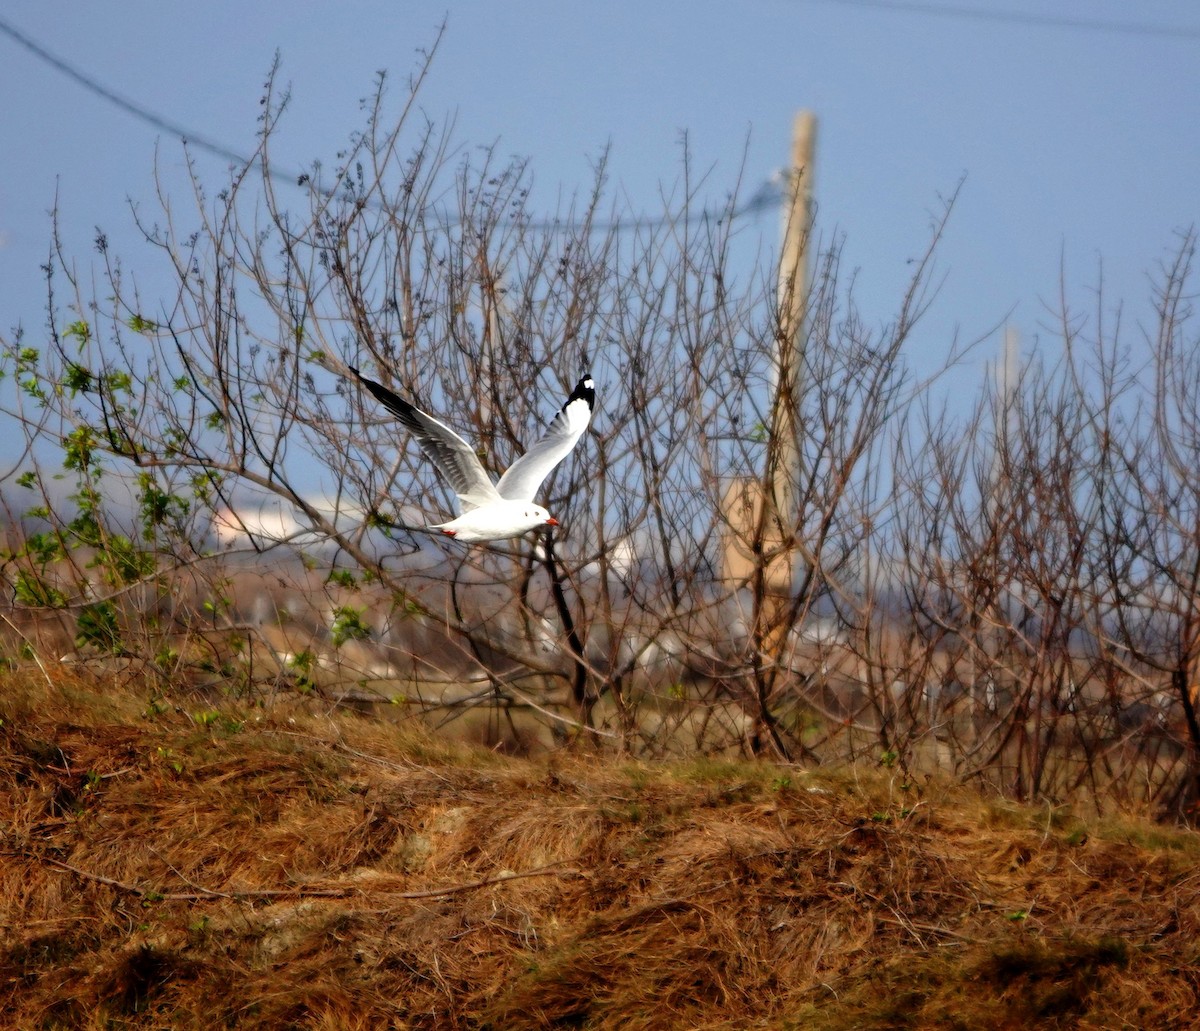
x,y
275,522
621,557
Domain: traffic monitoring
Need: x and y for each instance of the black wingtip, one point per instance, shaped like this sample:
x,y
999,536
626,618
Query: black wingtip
x,y
392,401
585,390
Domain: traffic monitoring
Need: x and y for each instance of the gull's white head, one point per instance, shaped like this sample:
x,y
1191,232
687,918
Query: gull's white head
x,y
539,516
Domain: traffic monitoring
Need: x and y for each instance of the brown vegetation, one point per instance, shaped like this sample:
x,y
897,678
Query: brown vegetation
x,y
998,590
183,863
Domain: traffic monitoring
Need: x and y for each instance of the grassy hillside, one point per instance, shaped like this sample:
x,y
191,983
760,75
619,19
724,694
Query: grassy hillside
x,y
197,865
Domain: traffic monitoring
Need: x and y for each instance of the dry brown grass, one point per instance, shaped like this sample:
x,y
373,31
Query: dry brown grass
x,y
204,866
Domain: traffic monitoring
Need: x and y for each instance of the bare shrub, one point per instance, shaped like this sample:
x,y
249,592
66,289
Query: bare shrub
x,y
995,592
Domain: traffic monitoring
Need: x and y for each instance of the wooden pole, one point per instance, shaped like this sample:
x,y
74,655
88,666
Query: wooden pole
x,y
793,303
783,453
761,513
751,525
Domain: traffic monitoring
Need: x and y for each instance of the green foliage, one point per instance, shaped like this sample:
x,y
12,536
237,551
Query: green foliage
x,y
117,381
343,578
81,332
214,720
43,547
204,483
378,521
26,369
302,665
84,529
116,554
77,380
157,706
141,325
31,589
78,447
157,506
410,606
97,626
125,562
348,625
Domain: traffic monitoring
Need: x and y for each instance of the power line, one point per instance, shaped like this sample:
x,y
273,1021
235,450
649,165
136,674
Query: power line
x,y
763,198
1124,28
90,84
766,195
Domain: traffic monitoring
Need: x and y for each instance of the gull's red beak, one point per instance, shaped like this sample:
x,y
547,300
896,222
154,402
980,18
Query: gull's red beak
x,y
551,521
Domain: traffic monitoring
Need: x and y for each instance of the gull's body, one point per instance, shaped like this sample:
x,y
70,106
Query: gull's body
x,y
493,511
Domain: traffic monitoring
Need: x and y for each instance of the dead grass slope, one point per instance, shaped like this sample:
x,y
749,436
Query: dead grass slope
x,y
204,867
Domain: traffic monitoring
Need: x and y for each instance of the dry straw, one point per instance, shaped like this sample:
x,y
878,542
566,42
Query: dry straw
x,y
229,867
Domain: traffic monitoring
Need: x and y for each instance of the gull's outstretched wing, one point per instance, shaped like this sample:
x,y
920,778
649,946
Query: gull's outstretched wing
x,y
522,479
453,456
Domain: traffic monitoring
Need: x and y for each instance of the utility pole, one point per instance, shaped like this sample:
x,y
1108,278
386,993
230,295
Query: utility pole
x,y
783,452
1007,376
757,530
793,303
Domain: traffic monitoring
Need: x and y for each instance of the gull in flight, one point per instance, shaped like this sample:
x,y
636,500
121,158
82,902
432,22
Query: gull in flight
x,y
493,511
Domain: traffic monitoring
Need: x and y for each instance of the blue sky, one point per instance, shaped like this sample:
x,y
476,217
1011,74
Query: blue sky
x,y
1078,146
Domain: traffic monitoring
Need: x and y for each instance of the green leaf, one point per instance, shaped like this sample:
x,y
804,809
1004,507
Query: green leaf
x,y
302,665
348,625
141,325
81,331
117,381
125,562
77,448
77,379
43,547
30,589
157,505
97,626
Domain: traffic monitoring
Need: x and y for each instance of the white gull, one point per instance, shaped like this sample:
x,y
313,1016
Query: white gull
x,y
493,511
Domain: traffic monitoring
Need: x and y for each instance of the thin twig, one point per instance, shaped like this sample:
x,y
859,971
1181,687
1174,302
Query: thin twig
x,y
32,650
201,893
